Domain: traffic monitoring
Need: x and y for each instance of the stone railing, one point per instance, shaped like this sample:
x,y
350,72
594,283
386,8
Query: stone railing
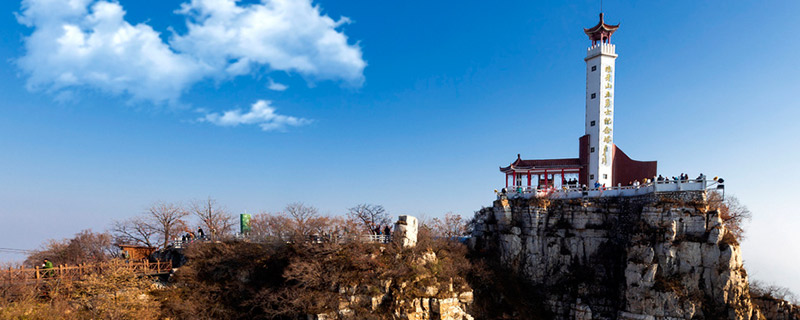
x,y
601,48
617,191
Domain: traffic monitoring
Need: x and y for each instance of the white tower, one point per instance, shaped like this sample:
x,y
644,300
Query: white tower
x,y
600,75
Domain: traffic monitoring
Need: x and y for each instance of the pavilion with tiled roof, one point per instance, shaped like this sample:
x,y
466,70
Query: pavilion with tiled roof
x,y
601,32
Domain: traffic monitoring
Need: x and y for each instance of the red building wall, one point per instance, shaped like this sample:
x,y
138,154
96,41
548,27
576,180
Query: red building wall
x,y
583,156
626,170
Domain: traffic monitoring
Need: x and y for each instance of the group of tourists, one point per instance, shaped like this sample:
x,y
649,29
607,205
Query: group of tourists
x,y
386,231
191,236
682,178
573,184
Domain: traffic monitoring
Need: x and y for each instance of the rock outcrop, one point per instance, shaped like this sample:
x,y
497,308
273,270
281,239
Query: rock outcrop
x,y
777,309
406,229
422,298
661,256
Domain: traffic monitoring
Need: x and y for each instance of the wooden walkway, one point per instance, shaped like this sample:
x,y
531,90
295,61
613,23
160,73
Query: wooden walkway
x,y
68,272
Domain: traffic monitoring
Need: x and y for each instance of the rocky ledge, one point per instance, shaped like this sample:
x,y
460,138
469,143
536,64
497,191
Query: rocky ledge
x,y
661,256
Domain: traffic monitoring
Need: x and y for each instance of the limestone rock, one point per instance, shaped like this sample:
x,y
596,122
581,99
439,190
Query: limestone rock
x,y
407,228
666,250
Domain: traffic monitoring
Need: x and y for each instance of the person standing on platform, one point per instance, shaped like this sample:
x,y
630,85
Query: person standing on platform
x,y
386,231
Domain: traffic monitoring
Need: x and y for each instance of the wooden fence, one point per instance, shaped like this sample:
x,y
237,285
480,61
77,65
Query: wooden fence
x,y
77,271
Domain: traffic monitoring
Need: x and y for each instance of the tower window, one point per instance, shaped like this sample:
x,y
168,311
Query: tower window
x,y
605,176
591,149
592,124
594,95
594,68
591,177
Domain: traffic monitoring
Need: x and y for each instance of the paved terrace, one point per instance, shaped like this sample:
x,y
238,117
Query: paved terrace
x,y
618,191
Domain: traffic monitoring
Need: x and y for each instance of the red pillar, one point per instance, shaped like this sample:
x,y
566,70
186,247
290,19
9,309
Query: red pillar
x,y
506,180
529,178
514,180
562,177
545,178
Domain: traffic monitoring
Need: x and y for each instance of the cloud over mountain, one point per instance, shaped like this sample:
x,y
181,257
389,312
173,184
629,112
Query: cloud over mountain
x,y
89,44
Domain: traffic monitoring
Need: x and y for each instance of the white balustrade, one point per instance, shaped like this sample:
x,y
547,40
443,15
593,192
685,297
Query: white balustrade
x,y
616,191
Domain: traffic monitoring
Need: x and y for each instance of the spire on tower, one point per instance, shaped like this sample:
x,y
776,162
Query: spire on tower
x,y
601,32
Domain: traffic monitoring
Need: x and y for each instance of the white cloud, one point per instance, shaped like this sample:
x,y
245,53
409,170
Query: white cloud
x,y
261,113
88,44
272,85
73,46
288,35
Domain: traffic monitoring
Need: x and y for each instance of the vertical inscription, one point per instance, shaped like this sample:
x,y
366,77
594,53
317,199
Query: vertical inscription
x,y
608,106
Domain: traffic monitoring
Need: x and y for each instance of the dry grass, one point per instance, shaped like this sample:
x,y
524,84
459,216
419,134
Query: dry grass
x,y
115,293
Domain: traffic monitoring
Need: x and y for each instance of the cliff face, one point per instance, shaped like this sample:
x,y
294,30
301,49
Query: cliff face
x,y
420,308
663,256
422,298
776,309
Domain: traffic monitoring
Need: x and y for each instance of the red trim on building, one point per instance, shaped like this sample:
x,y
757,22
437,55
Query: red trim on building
x,y
520,164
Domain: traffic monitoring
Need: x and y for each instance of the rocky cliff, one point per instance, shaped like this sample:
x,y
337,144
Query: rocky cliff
x,y
777,309
423,297
661,256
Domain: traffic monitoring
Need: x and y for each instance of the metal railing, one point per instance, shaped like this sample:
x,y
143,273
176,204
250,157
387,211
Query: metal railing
x,y
269,237
615,191
376,238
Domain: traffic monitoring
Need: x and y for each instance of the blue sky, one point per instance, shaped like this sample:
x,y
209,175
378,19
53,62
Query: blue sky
x,y
413,105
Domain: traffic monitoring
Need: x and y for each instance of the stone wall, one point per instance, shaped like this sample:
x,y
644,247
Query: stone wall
x,y
663,256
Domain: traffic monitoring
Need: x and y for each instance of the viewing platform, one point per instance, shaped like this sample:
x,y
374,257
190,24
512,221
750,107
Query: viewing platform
x,y
617,191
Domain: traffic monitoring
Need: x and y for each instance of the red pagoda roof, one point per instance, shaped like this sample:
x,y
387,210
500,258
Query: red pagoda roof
x,y
601,31
542,164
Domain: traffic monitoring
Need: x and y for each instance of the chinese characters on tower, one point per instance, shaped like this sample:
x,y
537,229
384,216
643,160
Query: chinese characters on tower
x,y
608,106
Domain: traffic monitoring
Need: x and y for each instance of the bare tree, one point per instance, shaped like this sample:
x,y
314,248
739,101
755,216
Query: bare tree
x,y
272,226
216,220
452,226
135,230
734,214
304,218
86,246
167,219
298,223
370,216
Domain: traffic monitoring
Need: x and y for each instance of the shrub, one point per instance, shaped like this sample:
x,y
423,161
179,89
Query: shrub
x,y
241,280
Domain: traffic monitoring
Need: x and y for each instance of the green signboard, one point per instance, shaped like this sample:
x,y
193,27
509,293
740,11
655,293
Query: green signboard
x,y
244,223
